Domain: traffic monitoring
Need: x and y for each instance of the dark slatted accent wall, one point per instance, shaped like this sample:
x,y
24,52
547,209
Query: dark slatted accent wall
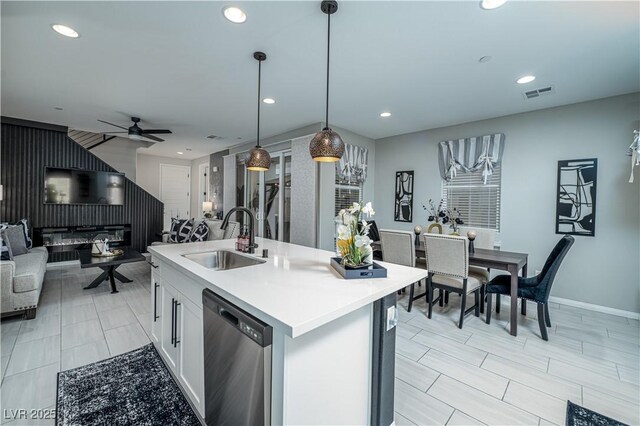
x,y
27,150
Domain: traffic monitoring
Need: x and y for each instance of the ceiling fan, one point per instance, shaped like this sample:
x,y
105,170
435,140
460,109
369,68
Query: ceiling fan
x,y
136,133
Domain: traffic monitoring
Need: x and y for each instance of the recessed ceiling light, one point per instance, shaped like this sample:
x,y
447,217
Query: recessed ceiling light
x,y
526,79
180,152
234,14
484,59
385,114
491,4
58,108
269,101
65,31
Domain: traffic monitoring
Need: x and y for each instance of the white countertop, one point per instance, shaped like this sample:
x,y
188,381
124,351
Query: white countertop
x,y
295,291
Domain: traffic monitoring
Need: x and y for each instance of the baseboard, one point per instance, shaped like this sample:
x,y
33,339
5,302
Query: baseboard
x,y
595,308
55,265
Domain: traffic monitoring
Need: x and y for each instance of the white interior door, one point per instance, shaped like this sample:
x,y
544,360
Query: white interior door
x,y
175,186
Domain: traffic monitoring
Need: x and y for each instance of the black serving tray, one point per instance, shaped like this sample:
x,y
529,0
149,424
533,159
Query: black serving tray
x,y
348,273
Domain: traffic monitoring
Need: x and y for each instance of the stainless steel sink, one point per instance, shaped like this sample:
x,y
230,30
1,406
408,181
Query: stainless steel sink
x,y
222,260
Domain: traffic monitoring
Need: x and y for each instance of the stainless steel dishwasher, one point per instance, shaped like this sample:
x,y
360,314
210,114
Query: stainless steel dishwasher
x,y
237,365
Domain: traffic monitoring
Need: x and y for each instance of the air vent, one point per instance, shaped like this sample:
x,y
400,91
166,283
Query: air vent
x,y
536,93
212,137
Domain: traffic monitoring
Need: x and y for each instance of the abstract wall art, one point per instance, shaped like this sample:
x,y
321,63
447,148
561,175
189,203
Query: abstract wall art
x,y
404,197
576,200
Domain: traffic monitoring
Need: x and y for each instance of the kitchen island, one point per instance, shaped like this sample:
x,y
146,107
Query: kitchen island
x,y
333,340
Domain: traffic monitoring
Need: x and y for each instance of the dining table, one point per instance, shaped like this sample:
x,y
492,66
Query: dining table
x,y
493,259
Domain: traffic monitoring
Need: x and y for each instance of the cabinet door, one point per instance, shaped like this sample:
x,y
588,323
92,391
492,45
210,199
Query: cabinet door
x,y
190,346
168,328
156,307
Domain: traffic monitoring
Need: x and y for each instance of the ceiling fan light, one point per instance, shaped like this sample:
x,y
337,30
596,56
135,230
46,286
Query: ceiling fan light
x,y
259,160
326,146
135,137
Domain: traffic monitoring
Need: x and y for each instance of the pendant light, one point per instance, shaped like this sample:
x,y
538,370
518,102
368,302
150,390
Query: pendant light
x,y
327,146
259,159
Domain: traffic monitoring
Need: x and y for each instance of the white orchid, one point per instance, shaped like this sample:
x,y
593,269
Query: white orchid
x,y
368,209
362,240
353,242
344,232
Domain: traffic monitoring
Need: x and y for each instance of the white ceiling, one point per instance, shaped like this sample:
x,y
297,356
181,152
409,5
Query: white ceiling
x,y
182,66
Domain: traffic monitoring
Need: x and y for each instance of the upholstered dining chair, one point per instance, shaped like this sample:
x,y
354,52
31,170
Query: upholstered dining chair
x,y
447,261
485,239
399,247
536,288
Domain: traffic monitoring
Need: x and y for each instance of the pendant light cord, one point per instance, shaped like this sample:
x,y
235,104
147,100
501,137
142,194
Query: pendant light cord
x,y
259,80
326,121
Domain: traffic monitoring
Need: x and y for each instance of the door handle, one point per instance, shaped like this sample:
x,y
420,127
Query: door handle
x,y
175,325
173,319
155,302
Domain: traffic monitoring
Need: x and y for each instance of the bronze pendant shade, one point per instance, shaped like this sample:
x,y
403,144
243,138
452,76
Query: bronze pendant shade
x,y
259,159
327,146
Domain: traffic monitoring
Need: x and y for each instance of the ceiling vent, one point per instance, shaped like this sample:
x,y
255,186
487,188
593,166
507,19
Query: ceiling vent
x,y
212,137
536,93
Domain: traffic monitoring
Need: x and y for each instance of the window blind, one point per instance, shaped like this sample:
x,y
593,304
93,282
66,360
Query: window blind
x,y
478,203
345,196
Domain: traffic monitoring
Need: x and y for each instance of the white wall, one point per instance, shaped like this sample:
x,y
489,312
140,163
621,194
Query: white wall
x,y
148,171
602,270
119,153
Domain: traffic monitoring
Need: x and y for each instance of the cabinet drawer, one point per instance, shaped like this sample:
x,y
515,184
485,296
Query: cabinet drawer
x,y
185,285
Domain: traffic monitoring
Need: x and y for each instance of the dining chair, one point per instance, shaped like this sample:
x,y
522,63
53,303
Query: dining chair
x,y
485,239
399,247
536,288
447,261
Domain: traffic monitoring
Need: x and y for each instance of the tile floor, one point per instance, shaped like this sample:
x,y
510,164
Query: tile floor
x,y
444,375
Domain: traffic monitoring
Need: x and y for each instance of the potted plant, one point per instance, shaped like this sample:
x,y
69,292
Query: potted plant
x,y
354,244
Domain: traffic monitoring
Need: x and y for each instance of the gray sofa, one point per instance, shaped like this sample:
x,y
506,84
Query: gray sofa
x,y
21,282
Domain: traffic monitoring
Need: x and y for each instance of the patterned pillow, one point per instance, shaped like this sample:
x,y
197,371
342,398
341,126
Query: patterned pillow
x,y
5,248
23,223
175,227
185,231
200,232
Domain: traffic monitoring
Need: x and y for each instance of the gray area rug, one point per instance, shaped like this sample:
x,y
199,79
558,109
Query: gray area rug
x,y
129,389
580,416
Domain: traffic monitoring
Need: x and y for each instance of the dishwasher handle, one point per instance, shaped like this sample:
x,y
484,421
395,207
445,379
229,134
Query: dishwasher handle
x,y
228,316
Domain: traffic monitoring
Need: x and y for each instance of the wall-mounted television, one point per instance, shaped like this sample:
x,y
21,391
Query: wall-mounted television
x,y
76,186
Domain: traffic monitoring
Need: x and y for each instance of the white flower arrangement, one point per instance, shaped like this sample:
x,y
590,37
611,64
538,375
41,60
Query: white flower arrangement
x,y
354,243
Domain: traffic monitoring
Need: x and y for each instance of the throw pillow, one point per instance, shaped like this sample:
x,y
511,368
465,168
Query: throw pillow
x,y
5,248
185,231
23,224
200,232
15,239
25,228
215,233
175,227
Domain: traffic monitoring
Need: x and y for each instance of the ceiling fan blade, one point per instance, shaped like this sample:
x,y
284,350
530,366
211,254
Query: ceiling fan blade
x,y
111,124
153,138
113,132
157,131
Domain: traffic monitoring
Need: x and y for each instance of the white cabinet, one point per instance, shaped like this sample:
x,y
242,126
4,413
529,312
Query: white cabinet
x,y
191,351
168,329
156,308
177,331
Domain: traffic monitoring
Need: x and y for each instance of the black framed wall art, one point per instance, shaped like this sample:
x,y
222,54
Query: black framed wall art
x,y
576,199
404,197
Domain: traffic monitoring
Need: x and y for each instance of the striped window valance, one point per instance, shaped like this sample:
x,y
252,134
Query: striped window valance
x,y
352,167
469,155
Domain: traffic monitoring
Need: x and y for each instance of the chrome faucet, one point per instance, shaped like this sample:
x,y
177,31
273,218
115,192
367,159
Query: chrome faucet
x,y
225,224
